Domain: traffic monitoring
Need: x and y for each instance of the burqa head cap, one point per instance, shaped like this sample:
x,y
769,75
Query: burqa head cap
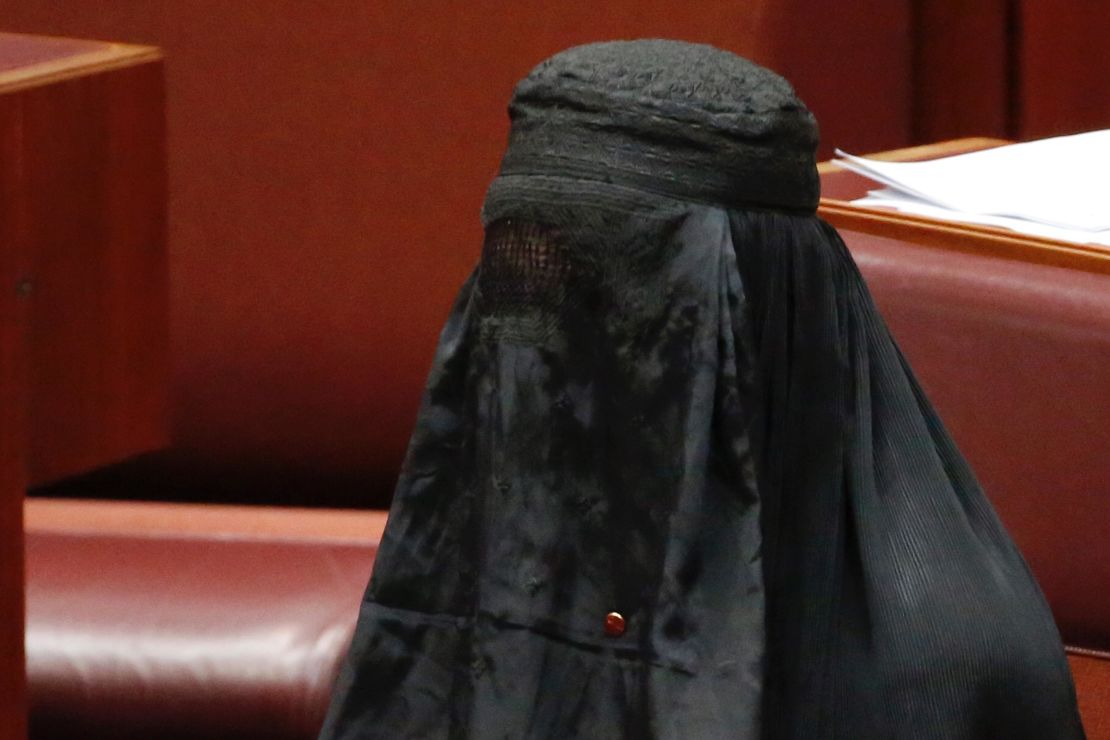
x,y
679,119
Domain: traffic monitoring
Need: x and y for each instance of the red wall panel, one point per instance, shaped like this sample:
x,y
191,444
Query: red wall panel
x,y
962,69
13,389
1064,60
327,164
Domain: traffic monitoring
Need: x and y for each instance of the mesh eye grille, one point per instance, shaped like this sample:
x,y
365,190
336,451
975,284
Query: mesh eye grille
x,y
524,269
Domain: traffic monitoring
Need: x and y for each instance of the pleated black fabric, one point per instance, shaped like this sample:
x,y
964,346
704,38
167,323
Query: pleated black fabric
x,y
690,414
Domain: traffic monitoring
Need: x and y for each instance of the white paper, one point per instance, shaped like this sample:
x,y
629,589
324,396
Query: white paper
x,y
889,198
1062,182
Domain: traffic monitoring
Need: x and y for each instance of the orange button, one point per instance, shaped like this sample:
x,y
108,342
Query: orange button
x,y
614,624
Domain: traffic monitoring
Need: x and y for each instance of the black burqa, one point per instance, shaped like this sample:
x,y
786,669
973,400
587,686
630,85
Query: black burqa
x,y
665,392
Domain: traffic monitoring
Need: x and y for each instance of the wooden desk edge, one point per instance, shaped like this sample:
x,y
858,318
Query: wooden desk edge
x,y
112,56
965,237
975,238
925,151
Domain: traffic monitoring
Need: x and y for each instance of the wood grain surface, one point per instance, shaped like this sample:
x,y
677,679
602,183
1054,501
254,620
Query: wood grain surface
x,y
12,429
98,281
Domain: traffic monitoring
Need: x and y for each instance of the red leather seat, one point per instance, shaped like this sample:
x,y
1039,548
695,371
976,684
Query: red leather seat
x,y
176,621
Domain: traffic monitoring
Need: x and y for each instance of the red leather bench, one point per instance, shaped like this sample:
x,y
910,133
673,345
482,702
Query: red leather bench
x,y
189,621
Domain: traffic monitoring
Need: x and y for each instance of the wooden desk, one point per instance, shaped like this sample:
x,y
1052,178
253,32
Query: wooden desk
x,y
83,284
839,186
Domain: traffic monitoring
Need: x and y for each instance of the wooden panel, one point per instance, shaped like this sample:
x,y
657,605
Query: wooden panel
x,y
1065,67
90,137
99,353
1023,69
962,69
12,438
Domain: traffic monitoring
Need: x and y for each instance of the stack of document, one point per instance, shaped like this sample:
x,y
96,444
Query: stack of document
x,y
1055,188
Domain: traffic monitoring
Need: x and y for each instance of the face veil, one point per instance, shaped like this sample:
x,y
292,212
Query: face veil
x,y
671,476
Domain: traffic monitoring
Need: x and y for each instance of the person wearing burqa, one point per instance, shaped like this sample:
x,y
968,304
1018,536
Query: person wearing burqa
x,y
671,477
